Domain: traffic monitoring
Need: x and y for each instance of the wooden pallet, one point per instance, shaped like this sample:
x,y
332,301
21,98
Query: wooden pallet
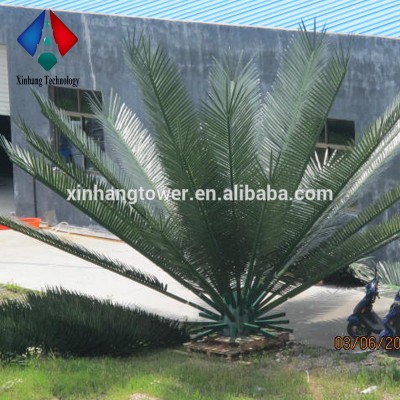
x,y
220,346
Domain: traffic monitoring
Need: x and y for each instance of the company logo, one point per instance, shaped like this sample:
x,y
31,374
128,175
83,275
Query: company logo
x,y
50,28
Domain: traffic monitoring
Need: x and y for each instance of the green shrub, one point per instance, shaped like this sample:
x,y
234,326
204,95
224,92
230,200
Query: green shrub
x,y
343,277
68,323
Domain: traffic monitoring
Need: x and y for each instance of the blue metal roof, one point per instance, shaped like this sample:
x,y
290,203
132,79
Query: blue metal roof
x,y
365,17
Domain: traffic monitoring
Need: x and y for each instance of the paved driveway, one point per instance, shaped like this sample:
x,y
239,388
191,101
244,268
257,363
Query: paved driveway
x,y
317,315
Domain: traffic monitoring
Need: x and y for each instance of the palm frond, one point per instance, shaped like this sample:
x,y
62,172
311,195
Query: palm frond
x,y
322,264
229,122
80,251
184,152
387,271
310,219
132,146
316,166
113,216
108,168
310,77
99,259
290,129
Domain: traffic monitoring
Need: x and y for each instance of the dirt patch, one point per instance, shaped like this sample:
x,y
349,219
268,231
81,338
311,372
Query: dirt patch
x,y
315,389
307,358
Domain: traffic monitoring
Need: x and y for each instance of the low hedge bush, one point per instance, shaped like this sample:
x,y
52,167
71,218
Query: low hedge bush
x,y
69,323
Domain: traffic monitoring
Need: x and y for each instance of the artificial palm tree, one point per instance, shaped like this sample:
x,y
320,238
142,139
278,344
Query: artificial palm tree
x,y
241,258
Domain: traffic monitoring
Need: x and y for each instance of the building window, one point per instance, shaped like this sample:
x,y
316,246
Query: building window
x,y
337,135
75,103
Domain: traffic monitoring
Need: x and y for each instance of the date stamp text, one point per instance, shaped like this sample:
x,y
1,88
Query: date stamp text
x,y
367,343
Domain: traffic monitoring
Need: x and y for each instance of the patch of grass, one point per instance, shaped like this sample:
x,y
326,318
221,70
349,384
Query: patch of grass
x,y
350,356
173,375
311,351
339,385
386,377
167,375
11,291
344,384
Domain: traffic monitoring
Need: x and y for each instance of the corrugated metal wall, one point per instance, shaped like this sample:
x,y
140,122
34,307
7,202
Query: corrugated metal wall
x,y
366,17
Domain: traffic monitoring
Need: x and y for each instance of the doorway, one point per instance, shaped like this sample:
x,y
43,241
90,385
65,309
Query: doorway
x,y
6,171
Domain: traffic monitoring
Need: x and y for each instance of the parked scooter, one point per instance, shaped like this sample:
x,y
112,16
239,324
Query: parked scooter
x,y
392,321
364,321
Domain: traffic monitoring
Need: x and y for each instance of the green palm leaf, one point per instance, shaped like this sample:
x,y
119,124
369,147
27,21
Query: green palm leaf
x,y
310,77
117,217
229,117
387,271
132,146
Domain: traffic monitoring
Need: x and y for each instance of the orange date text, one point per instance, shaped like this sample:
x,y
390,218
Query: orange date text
x,y
367,343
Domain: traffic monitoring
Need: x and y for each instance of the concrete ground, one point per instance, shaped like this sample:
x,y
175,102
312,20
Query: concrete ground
x,y
6,196
317,315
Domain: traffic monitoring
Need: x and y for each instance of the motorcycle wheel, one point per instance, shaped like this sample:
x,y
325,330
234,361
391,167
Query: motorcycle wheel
x,y
358,330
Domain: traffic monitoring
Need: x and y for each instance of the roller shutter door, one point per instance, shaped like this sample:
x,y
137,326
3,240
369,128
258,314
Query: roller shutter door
x,y
4,94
